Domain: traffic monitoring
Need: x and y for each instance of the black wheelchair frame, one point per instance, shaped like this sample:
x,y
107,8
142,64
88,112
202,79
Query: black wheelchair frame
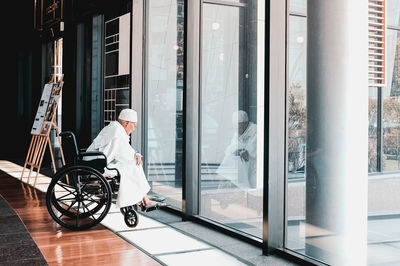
x,y
79,196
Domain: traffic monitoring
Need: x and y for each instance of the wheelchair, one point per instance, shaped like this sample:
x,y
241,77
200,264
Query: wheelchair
x,y
79,196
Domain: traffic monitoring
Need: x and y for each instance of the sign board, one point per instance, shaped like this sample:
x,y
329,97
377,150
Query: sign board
x,y
47,109
43,123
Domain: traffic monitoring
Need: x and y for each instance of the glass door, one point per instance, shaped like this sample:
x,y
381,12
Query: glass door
x,y
232,115
164,87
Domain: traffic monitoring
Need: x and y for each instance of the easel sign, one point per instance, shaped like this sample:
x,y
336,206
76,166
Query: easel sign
x,y
41,111
45,119
51,110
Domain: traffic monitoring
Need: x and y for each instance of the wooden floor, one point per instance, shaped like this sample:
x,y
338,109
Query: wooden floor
x,y
61,246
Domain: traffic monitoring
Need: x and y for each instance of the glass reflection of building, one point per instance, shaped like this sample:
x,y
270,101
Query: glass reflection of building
x,y
164,91
229,82
383,143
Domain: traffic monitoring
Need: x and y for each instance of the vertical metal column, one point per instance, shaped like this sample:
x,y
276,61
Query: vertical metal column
x,y
190,198
337,131
137,65
274,142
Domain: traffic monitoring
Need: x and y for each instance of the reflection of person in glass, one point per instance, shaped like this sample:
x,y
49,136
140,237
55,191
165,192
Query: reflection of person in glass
x,y
240,162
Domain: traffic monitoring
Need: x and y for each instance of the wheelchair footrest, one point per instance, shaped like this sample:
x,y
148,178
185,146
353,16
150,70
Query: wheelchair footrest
x,y
153,208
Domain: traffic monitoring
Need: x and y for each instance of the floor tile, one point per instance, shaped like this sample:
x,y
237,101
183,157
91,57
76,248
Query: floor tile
x,y
200,258
163,240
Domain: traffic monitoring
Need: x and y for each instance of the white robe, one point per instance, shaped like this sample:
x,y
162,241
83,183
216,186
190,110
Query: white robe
x,y
241,173
114,143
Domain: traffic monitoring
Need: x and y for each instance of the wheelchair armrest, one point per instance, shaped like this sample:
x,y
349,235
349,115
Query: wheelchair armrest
x,y
91,154
116,170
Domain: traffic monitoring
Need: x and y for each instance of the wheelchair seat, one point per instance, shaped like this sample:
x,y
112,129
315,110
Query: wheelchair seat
x,y
98,164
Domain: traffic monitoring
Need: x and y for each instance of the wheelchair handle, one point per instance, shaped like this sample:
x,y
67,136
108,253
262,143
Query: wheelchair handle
x,y
72,135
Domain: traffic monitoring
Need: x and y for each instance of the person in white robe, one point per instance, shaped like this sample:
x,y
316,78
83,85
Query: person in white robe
x,y
239,165
113,141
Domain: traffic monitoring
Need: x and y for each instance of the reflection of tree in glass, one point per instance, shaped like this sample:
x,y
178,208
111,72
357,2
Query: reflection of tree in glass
x,y
372,134
297,127
391,130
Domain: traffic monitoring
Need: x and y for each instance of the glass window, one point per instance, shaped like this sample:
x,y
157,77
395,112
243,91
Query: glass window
x,y
383,147
164,101
373,130
393,12
391,105
297,95
298,6
297,115
383,196
232,93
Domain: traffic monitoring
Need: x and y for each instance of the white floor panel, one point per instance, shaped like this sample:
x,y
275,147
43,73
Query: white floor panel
x,y
42,187
163,240
10,168
114,209
200,258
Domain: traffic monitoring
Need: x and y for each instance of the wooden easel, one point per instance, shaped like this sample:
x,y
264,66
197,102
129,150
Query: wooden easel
x,y
38,145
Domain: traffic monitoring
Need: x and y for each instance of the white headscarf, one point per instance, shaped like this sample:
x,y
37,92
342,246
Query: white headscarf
x,y
239,117
128,115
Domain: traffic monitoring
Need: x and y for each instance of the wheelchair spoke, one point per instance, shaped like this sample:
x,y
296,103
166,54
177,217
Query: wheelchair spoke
x,y
88,204
88,194
92,200
89,211
84,186
65,187
71,205
65,199
65,196
85,193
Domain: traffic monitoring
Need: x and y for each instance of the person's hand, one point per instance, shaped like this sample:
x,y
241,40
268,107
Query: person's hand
x,y
138,158
244,156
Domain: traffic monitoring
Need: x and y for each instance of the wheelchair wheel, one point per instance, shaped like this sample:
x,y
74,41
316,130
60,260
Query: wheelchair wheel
x,y
131,218
78,197
123,210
